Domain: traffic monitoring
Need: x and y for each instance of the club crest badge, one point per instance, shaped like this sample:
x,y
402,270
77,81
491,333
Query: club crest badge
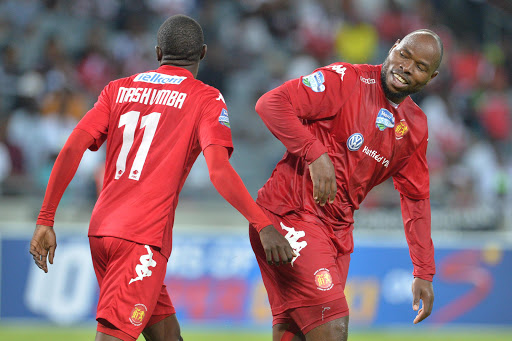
x,y
401,129
323,279
315,81
224,118
385,119
138,314
355,141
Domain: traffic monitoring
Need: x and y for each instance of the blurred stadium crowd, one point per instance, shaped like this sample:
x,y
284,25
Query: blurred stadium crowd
x,y
57,55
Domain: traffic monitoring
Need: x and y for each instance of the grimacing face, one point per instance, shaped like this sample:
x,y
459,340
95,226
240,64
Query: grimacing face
x,y
410,65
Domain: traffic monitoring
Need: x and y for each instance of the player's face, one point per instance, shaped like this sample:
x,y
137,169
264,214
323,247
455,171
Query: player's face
x,y
410,65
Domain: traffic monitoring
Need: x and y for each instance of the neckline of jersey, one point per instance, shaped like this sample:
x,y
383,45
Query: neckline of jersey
x,y
170,69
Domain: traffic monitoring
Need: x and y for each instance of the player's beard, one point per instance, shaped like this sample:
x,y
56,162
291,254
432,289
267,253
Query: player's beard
x,y
393,96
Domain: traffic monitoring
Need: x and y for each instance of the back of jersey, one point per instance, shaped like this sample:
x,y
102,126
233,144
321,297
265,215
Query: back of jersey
x,y
156,123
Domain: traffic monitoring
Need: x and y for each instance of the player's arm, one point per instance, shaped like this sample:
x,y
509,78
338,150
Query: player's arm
x,y
416,218
230,186
413,184
314,97
43,243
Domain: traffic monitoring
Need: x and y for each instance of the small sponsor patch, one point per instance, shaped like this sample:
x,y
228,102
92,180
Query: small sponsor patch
x,y
138,314
367,80
158,78
323,279
315,81
401,129
355,141
224,118
385,119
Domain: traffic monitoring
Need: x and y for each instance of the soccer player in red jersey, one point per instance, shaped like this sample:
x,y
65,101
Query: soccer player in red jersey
x,y
346,128
155,125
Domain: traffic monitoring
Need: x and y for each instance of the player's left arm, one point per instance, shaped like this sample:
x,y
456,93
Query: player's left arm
x,y
412,182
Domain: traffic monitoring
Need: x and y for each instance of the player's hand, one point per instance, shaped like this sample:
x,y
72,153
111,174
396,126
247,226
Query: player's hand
x,y
277,248
324,180
42,245
422,290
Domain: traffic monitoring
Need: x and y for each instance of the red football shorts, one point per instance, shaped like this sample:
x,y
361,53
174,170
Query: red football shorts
x,y
311,291
132,293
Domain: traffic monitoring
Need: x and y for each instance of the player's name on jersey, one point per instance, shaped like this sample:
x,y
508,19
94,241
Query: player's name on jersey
x,y
151,96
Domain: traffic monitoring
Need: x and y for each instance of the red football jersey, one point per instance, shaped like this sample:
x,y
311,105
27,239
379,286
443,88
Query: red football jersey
x,y
156,123
367,138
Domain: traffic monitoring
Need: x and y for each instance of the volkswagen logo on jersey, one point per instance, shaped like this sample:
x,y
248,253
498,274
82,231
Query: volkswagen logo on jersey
x,y
315,81
385,119
355,141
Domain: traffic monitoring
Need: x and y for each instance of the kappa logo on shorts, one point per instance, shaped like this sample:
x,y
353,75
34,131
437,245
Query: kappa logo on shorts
x,y
142,269
293,238
323,279
138,314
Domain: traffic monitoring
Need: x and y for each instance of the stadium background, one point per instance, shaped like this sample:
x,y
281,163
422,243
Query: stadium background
x,y
57,55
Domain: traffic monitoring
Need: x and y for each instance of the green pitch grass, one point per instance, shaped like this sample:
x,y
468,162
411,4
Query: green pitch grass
x,y
20,333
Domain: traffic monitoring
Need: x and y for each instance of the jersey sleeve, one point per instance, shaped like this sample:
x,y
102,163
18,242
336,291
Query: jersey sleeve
x,y
413,179
95,121
322,93
214,127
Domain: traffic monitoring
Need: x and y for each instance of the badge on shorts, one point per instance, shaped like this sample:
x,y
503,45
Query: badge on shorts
x,y
323,279
138,314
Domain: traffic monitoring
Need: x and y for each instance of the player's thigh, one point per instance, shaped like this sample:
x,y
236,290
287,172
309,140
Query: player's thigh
x,y
167,329
131,283
335,330
287,332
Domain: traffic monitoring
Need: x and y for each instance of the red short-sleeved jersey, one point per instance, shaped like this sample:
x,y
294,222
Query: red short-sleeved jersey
x,y
368,139
156,123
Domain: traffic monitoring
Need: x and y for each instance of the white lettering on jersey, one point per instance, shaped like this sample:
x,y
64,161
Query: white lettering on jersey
x,y
142,269
367,80
340,69
377,157
221,98
171,98
293,238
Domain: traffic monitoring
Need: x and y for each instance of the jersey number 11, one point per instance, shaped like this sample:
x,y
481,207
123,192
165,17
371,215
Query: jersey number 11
x,y
130,120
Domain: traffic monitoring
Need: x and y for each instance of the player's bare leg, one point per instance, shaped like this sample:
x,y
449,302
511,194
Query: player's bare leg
x,y
283,332
166,330
335,330
105,337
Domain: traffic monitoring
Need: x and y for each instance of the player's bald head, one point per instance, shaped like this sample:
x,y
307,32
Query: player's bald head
x,y
427,37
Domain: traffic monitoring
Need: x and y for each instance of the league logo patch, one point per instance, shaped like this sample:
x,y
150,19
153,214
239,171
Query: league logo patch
x,y
385,119
315,81
323,279
355,141
401,129
138,314
224,118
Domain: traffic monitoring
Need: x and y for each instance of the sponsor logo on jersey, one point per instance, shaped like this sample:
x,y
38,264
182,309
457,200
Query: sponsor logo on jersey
x,y
158,78
138,314
385,119
224,118
323,279
340,69
401,129
355,141
293,237
315,81
142,269
376,156
367,80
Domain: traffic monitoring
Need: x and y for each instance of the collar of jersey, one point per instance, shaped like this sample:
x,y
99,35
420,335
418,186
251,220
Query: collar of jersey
x,y
174,70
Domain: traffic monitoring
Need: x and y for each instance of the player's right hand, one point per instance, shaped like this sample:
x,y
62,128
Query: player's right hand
x,y
324,180
42,245
277,248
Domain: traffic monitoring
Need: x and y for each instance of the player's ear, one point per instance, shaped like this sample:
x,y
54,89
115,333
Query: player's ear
x,y
203,52
159,53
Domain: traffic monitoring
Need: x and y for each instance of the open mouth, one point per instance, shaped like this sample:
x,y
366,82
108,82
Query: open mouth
x,y
399,78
